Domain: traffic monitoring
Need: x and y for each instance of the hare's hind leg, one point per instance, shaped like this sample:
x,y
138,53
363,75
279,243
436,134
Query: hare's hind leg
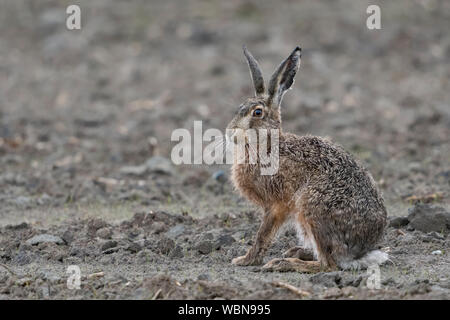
x,y
305,251
292,264
273,219
299,252
301,258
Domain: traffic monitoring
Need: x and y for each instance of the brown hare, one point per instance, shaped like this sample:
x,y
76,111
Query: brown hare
x,y
332,200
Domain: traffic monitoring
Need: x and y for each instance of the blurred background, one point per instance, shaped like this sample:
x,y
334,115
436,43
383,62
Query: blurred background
x,y
86,115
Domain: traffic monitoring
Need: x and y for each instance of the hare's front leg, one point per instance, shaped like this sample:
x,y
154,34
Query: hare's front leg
x,y
273,219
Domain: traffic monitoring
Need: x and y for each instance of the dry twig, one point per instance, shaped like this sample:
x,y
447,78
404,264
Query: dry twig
x,y
291,288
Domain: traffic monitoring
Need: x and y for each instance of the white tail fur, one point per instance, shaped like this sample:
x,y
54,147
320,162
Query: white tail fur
x,y
373,257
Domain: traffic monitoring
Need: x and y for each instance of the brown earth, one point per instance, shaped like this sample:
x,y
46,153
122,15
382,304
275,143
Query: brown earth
x,y
85,124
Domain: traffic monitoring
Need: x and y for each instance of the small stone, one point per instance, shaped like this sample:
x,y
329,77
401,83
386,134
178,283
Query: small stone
x,y
22,258
23,281
176,231
207,236
158,227
111,250
176,252
133,170
428,218
353,281
224,240
204,247
203,277
437,252
77,251
108,245
134,247
159,164
49,275
45,199
42,238
104,233
165,245
398,222
332,293
436,235
20,226
348,291
68,236
220,176
444,283
327,279
389,282
24,202
94,224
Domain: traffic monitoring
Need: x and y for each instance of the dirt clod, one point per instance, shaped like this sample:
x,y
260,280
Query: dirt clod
x,y
44,238
428,218
86,120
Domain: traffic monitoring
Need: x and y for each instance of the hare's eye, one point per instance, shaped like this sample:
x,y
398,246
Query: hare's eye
x,y
257,112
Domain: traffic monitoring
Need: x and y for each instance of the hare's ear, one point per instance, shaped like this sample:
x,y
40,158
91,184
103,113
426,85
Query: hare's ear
x,y
255,70
283,77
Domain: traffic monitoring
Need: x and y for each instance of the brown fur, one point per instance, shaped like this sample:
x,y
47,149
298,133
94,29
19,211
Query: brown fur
x,y
319,186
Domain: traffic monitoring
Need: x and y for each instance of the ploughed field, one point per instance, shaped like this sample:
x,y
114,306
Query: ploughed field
x,y
86,118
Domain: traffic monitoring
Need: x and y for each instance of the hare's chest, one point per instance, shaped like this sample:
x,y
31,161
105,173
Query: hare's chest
x,y
256,187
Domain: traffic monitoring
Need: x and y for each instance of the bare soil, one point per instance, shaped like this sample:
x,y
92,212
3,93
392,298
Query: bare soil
x,y
86,118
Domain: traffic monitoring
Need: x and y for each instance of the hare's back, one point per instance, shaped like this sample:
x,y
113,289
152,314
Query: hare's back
x,y
336,179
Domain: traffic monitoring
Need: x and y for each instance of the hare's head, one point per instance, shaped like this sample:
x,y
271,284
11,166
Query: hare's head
x,y
263,110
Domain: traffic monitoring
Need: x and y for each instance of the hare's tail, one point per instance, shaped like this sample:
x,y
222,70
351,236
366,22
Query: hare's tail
x,y
375,257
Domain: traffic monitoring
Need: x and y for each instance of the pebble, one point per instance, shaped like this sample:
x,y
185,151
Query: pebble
x,y
428,218
176,252
165,245
159,164
22,201
203,277
436,235
68,236
220,176
134,247
327,279
134,170
109,244
398,222
158,227
176,231
437,252
42,238
104,233
20,226
94,224
332,293
45,199
23,281
204,247
224,240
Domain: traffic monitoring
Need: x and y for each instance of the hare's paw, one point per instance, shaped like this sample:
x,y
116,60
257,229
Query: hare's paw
x,y
280,265
246,261
299,253
292,264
